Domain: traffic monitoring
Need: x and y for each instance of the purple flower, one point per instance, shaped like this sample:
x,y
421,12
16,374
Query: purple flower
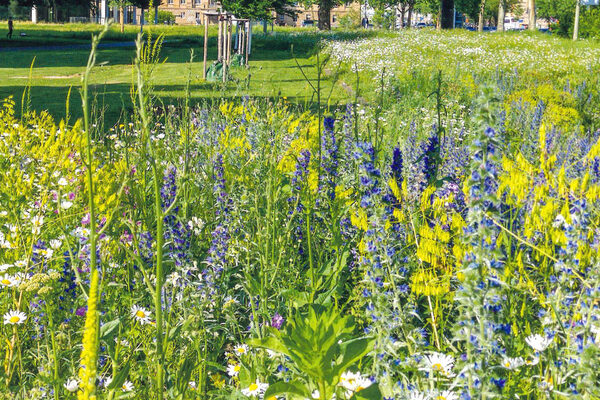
x,y
277,321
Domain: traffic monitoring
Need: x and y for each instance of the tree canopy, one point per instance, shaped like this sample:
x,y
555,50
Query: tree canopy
x,y
257,9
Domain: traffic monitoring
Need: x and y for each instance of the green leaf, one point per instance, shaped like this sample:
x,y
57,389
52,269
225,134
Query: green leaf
x,y
270,342
109,327
370,393
296,388
353,351
119,379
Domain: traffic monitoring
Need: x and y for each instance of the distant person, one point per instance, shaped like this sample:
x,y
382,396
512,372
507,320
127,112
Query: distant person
x,y
10,28
365,22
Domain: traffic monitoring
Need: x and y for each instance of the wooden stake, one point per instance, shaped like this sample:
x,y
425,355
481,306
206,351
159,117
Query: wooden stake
x,y
205,44
248,37
229,37
220,39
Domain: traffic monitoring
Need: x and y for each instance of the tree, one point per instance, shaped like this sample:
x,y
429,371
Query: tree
x,y
532,15
561,10
142,5
501,14
325,7
258,9
120,4
447,14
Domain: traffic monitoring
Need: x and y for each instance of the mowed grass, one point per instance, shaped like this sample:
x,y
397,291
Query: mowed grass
x,y
273,70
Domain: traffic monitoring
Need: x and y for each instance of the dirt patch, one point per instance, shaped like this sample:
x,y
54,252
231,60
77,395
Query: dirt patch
x,y
61,76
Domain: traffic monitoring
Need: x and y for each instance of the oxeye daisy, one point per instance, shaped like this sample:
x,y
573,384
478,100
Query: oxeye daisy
x,y
233,369
538,342
417,396
533,360
354,382
440,363
127,386
71,385
37,223
140,314
512,363
255,389
14,317
445,395
9,280
241,349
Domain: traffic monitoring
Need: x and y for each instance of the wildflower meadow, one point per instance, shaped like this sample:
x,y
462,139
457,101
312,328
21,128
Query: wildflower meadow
x,y
435,236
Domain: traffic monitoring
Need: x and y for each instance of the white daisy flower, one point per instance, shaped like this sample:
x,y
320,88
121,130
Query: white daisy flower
x,y
55,244
66,204
193,385
538,342
354,382
106,383
9,280
37,223
440,363
512,363
233,369
127,386
71,385
140,314
63,182
47,253
445,395
5,267
14,317
241,349
414,395
532,361
255,389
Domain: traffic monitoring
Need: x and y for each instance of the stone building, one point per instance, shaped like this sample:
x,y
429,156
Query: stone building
x,y
310,16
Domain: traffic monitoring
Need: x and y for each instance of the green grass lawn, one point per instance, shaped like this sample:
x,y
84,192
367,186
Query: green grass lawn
x,y
273,71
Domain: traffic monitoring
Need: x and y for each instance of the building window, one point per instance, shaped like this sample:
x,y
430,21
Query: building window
x,y
197,15
182,1
308,17
170,2
182,15
198,1
334,18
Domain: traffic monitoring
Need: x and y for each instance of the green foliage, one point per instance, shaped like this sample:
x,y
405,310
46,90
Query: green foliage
x,y
351,20
164,17
257,9
319,342
590,23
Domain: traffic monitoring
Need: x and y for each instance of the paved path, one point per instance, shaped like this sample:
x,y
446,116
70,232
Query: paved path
x,y
69,47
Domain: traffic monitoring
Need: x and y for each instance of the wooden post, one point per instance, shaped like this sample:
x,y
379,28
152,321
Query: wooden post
x,y
248,36
220,39
205,43
229,37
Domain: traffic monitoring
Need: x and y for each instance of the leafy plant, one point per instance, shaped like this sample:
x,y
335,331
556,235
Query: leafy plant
x,y
320,344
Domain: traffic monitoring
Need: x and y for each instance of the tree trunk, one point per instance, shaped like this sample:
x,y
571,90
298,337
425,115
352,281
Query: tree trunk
x,y
481,14
501,15
576,25
411,6
532,16
447,14
141,20
402,10
156,3
122,12
325,15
